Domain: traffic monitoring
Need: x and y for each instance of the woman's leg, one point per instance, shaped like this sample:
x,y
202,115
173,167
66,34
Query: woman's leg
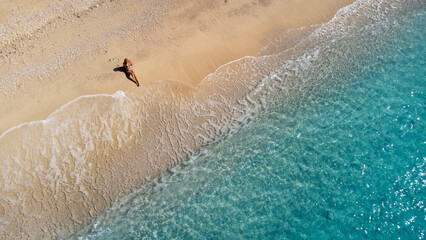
x,y
135,78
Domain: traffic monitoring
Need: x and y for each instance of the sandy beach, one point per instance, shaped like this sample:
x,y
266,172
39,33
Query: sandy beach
x,y
64,52
53,53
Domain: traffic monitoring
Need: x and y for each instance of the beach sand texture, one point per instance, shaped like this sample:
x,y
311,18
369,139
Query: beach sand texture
x,y
102,136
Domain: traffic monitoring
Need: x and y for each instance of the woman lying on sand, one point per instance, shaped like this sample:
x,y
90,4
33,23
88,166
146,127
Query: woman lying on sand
x,y
127,64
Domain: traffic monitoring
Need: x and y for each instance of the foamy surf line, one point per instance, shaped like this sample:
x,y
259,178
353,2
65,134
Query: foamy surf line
x,y
60,173
115,95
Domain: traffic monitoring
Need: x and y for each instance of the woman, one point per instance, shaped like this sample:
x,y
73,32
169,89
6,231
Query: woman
x,y
127,64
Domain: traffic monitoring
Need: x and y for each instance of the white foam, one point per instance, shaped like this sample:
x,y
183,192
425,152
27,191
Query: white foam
x,y
118,95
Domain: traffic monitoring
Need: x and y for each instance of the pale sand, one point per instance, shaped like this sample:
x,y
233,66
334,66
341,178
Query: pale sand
x,y
184,43
75,53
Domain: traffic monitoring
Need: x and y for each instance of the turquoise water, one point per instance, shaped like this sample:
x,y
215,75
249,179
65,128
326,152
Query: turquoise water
x,y
344,158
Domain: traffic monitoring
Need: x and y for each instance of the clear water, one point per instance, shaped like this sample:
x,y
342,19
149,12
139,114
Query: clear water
x,y
344,162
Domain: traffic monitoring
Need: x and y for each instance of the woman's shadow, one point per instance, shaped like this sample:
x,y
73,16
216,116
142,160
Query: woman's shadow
x,y
123,69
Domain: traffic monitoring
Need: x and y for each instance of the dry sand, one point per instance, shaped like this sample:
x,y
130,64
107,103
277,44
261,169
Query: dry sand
x,y
51,53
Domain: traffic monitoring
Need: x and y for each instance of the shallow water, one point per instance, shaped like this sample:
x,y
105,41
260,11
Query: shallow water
x,y
337,152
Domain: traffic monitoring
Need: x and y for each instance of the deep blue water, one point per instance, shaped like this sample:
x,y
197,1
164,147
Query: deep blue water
x,y
347,161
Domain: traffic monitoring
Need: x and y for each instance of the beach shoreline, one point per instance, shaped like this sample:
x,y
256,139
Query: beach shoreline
x,y
75,55
99,146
